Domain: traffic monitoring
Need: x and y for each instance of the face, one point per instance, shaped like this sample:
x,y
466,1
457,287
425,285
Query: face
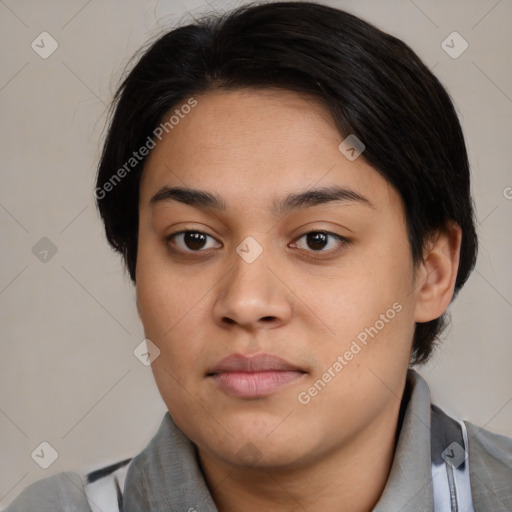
x,y
284,327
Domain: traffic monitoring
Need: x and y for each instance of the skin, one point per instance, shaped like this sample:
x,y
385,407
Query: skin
x,y
299,301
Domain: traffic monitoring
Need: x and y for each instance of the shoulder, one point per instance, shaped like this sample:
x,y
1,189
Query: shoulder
x,y
496,446
63,491
99,490
491,453
490,465
487,478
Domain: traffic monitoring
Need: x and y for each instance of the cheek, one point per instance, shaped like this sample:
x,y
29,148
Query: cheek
x,y
368,307
171,321
173,308
355,296
167,315
163,295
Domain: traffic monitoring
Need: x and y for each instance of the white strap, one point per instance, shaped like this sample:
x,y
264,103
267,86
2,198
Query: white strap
x,y
102,493
462,481
451,482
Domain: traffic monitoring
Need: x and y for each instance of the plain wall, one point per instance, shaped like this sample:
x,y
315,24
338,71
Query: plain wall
x,y
68,375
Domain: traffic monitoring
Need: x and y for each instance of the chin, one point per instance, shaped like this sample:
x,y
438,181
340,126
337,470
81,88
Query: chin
x,y
262,454
257,449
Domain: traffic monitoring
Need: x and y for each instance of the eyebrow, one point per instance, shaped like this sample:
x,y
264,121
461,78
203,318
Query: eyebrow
x,y
280,206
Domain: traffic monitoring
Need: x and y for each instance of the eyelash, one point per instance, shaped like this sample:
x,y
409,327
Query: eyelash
x,y
343,241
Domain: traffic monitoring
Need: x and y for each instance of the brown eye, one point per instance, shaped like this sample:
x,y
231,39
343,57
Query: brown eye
x,y
317,241
190,241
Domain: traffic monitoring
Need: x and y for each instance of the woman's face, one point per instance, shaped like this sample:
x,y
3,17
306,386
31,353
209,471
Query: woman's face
x,y
337,306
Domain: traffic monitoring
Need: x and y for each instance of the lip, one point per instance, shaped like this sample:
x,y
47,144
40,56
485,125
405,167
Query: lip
x,y
253,376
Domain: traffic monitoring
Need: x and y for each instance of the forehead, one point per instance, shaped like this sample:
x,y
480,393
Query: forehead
x,y
250,144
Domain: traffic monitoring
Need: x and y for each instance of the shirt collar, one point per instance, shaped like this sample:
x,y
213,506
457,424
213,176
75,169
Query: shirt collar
x,y
409,485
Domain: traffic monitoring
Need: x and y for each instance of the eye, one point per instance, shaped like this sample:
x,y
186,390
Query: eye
x,y
190,241
317,241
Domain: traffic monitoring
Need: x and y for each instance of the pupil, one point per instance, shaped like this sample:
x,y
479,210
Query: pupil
x,y
194,240
316,240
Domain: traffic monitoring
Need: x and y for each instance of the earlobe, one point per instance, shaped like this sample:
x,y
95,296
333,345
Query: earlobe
x,y
437,274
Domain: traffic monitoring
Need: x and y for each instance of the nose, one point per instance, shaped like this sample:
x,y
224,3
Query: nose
x,y
252,297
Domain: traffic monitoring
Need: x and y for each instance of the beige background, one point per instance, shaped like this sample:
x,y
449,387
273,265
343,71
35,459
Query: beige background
x,y
68,375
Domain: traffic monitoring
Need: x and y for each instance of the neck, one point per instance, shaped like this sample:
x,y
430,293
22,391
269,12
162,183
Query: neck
x,y
349,478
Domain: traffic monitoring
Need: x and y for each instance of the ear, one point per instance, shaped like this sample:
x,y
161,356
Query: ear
x,y
436,275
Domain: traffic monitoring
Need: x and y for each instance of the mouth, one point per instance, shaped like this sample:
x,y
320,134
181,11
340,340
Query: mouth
x,y
253,376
